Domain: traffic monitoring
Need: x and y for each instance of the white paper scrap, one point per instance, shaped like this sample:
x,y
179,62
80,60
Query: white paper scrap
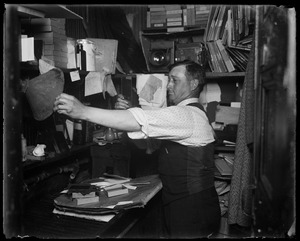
x,y
74,75
27,49
93,83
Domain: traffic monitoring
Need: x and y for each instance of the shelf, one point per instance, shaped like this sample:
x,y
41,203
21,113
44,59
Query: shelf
x,y
213,75
46,11
156,32
75,150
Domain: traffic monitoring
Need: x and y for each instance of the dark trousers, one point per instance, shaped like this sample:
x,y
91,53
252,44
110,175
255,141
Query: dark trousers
x,y
194,216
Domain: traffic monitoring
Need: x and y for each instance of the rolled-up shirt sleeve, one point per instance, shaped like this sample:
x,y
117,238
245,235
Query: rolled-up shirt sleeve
x,y
183,124
141,118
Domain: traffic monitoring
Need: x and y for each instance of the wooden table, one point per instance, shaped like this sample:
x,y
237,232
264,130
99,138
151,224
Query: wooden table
x,y
40,221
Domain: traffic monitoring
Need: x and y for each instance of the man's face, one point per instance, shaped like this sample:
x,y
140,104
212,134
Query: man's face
x,y
178,86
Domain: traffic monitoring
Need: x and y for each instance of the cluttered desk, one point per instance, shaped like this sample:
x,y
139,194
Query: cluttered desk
x,y
103,207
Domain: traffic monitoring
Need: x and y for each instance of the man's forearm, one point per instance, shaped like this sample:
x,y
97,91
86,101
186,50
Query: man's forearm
x,y
117,119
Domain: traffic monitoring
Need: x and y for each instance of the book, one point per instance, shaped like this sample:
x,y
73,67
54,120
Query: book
x,y
88,200
213,58
148,19
219,22
158,25
185,17
174,11
115,190
157,9
229,27
175,29
175,15
235,24
80,195
212,22
225,57
173,7
177,23
224,22
153,21
223,167
220,62
174,19
83,188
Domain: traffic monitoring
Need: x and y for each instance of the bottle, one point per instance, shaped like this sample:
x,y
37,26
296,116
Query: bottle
x,y
24,147
109,135
78,138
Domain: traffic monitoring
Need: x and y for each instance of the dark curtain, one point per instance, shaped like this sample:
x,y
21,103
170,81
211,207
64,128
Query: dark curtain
x,y
240,197
109,22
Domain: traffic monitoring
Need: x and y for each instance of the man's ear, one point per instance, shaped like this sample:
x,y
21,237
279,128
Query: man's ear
x,y
194,84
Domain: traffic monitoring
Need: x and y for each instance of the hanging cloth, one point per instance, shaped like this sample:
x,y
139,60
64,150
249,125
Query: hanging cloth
x,y
240,196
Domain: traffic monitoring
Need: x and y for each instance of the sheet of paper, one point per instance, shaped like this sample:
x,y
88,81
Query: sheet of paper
x,y
152,90
27,49
211,92
100,218
71,53
70,128
227,115
93,83
75,75
44,67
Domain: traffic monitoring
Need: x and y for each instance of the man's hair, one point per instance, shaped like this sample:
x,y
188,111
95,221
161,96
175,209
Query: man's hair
x,y
193,71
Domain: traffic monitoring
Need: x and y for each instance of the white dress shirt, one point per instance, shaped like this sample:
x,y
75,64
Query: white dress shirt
x,y
186,125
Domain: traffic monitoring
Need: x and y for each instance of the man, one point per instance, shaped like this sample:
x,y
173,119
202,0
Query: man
x,y
186,164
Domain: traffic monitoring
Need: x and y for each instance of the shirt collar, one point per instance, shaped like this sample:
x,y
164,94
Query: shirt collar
x,y
188,101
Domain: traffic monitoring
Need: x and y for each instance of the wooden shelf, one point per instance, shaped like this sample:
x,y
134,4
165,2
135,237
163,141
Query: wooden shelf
x,y
46,11
157,32
214,75
75,150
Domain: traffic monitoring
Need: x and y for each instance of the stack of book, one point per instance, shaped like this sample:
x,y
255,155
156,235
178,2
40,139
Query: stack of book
x,y
84,193
174,17
52,32
156,16
115,190
219,60
169,17
201,15
238,57
228,37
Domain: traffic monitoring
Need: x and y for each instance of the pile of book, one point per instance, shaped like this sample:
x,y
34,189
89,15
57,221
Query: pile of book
x,y
197,15
224,167
53,34
164,16
228,37
175,17
84,193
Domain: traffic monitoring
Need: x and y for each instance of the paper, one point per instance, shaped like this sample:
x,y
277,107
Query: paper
x,y
75,75
152,90
27,49
105,54
101,218
227,115
70,128
44,67
211,92
71,43
95,81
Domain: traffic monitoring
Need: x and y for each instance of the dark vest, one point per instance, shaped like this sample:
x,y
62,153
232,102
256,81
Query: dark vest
x,y
185,170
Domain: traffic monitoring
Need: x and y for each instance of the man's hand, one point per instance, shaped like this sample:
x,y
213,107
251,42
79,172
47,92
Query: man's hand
x,y
69,105
122,103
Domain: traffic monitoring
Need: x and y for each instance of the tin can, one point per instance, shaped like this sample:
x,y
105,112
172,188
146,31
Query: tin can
x,y
85,55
